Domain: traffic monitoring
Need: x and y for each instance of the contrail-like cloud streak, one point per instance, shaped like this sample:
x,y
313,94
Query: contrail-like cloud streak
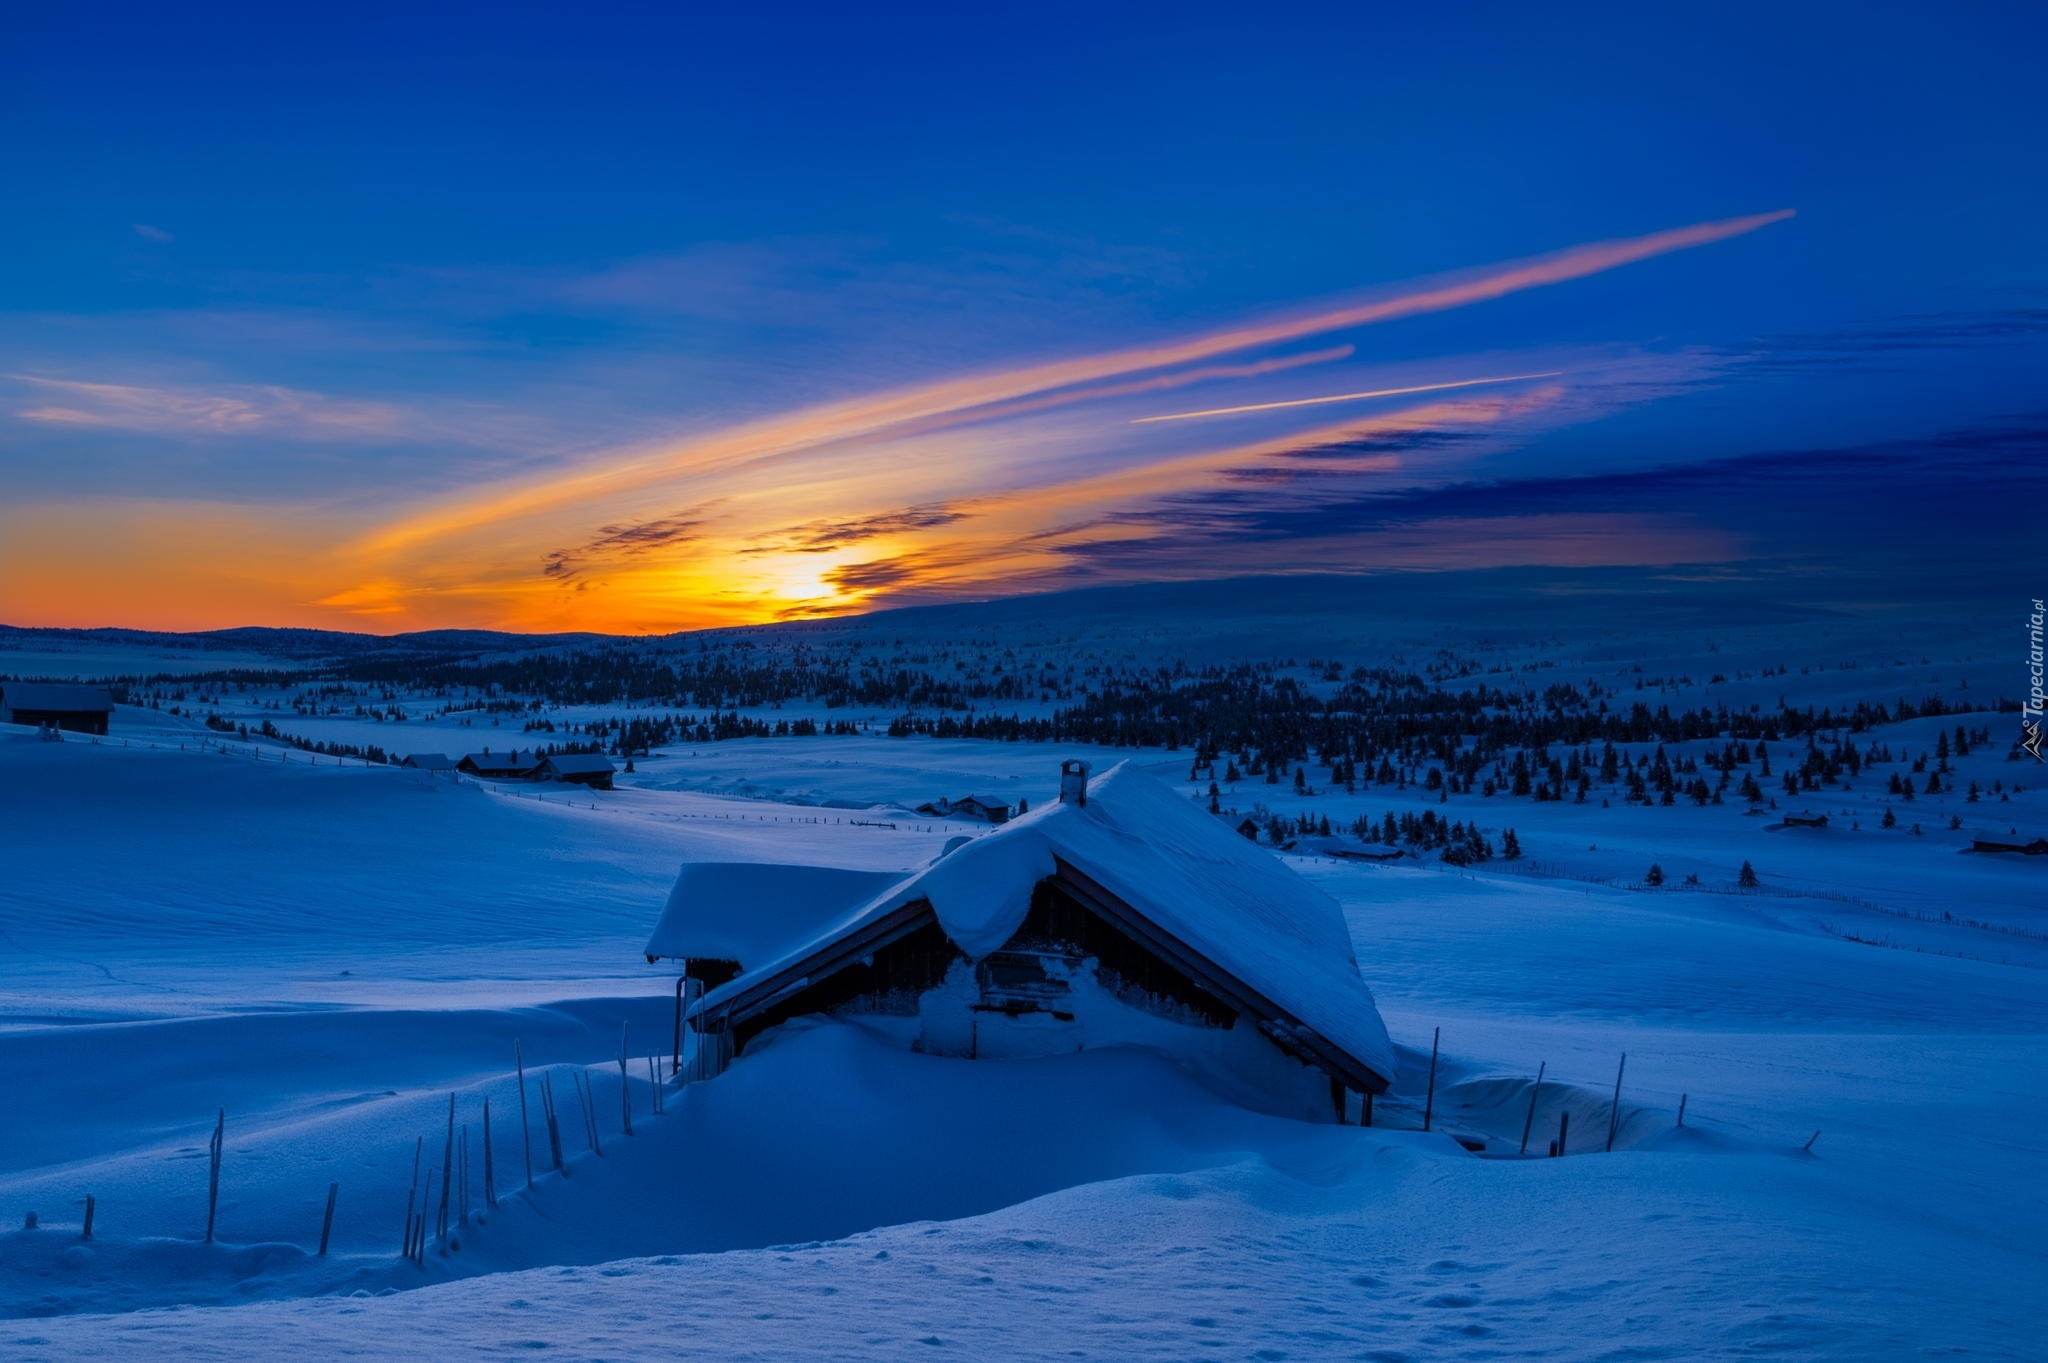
x,y
1344,397
833,423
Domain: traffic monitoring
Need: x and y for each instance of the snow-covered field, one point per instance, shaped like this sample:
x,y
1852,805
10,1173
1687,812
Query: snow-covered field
x,y
328,950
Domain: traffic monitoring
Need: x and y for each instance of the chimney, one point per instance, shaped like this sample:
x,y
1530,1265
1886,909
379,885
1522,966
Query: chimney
x,y
1074,782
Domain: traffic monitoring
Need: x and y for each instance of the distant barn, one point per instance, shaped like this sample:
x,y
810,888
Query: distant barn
x,y
967,807
1807,820
2018,843
428,761
500,766
1122,914
578,769
62,705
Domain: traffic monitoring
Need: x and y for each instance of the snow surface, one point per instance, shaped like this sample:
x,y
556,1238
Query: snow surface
x,y
328,951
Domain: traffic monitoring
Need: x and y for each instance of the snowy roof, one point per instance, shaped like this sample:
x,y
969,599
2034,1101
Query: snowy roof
x,y
502,761
753,912
54,696
578,763
1183,871
431,761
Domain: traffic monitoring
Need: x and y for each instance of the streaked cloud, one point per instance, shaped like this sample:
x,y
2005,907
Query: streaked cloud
x,y
238,410
754,443
1344,397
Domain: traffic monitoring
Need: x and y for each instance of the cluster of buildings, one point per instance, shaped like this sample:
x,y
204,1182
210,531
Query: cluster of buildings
x,y
579,769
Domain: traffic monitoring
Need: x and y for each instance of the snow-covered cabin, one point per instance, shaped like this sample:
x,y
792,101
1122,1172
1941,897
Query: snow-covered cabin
x,y
427,761
1123,914
63,705
2027,843
577,768
500,766
974,807
1806,819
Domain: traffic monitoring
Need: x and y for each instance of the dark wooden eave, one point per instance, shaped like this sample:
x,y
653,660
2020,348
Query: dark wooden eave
x,y
864,941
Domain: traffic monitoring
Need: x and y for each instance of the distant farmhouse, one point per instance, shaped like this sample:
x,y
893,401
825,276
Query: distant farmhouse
x,y
2024,844
62,705
1806,820
1122,914
578,769
428,761
967,807
499,766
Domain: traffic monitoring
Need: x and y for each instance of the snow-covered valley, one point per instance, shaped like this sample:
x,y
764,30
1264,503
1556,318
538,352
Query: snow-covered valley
x,y
327,949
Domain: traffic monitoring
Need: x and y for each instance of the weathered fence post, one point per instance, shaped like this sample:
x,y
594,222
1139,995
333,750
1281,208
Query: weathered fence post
x,y
1614,1111
490,1167
1564,1127
447,1168
1681,1108
327,1218
1429,1102
90,1207
547,1106
213,1149
1529,1121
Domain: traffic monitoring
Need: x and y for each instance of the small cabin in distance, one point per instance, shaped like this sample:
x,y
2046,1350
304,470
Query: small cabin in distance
x,y
1806,819
428,761
500,766
2012,842
1123,914
56,705
577,769
966,807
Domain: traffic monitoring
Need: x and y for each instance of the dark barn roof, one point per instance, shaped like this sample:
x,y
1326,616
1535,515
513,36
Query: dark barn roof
x,y
578,764
57,697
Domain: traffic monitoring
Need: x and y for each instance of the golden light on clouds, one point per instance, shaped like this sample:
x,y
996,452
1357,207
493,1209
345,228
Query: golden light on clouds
x,y
988,482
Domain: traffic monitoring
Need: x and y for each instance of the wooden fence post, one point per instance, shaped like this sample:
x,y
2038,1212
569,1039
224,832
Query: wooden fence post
x,y
490,1168
1614,1111
1429,1102
447,1168
90,1207
327,1218
213,1149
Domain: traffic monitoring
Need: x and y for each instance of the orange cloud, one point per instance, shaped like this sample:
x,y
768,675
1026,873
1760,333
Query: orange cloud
x,y
836,422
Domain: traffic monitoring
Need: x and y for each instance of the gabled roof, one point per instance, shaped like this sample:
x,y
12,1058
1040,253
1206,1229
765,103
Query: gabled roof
x,y
1191,883
578,763
55,696
755,912
428,761
502,761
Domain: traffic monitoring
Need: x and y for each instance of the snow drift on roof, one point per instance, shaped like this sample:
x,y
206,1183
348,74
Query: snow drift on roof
x,y
753,912
578,763
1178,866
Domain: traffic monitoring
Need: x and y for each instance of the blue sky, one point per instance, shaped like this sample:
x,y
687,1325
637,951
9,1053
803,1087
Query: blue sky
x,y
385,317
